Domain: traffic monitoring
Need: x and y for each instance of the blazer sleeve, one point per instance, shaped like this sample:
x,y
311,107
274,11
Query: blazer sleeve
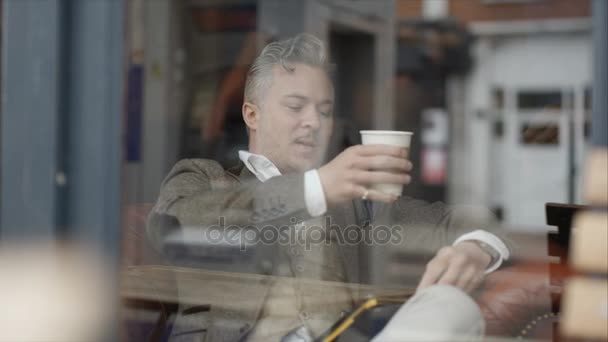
x,y
199,192
426,227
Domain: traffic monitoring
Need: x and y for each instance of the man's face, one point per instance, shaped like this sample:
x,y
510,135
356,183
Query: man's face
x,y
296,118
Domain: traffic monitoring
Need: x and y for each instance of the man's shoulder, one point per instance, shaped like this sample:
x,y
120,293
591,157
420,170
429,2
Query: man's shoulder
x,y
198,164
207,168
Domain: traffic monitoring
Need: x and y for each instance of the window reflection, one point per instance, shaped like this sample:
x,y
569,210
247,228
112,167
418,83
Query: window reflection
x,y
549,100
499,124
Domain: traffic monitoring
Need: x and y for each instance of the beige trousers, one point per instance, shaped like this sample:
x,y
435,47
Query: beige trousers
x,y
438,313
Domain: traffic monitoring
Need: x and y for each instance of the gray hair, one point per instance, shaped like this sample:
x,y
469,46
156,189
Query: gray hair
x,y
303,48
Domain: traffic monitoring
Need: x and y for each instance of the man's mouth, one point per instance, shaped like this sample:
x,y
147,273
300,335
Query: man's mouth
x,y
307,142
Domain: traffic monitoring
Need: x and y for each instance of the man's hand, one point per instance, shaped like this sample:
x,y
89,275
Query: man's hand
x,y
462,266
349,175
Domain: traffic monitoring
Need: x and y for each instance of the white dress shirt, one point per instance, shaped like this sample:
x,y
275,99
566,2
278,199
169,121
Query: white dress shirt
x,y
316,204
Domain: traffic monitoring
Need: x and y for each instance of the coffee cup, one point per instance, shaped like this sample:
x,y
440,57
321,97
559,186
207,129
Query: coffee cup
x,y
393,138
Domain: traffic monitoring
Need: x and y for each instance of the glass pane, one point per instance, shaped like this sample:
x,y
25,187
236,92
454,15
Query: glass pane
x,y
544,100
587,99
498,98
325,170
540,134
257,212
587,103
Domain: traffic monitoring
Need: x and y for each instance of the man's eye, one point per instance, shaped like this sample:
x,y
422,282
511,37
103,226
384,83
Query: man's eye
x,y
325,111
295,108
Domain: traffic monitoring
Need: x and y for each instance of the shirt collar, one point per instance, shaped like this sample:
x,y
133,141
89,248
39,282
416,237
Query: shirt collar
x,y
259,165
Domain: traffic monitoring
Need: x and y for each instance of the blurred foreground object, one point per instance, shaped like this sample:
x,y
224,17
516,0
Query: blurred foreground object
x,y
590,242
585,313
586,309
52,293
596,184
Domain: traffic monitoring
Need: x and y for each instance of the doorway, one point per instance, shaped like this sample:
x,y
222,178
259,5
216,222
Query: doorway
x,y
352,53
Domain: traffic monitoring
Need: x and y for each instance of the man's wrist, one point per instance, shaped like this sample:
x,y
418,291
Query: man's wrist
x,y
489,250
491,240
314,195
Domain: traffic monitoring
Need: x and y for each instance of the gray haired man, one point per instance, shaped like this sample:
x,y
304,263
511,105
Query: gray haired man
x,y
288,110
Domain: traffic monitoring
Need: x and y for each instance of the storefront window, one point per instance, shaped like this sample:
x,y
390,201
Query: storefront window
x,y
319,170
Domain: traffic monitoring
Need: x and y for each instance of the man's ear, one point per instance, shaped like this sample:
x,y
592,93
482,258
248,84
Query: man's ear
x,y
251,115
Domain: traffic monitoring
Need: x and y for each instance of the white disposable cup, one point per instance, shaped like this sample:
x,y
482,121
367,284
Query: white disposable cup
x,y
394,138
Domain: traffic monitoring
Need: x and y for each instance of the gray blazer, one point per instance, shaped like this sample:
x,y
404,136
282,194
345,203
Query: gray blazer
x,y
196,192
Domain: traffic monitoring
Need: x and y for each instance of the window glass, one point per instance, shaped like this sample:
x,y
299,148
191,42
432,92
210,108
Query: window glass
x,y
255,210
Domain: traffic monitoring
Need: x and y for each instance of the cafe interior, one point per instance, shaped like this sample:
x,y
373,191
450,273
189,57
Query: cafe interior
x,y
101,99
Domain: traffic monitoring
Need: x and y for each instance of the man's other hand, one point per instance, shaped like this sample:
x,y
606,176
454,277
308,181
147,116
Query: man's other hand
x,y
350,174
461,266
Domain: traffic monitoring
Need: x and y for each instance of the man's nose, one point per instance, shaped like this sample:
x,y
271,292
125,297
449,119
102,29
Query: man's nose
x,y
312,119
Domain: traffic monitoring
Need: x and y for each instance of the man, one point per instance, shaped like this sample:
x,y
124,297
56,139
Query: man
x,y
288,108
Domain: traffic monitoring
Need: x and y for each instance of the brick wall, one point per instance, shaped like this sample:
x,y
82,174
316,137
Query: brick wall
x,y
478,10
407,9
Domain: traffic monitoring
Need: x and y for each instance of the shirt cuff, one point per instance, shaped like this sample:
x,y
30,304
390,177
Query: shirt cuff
x,y
493,241
314,196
